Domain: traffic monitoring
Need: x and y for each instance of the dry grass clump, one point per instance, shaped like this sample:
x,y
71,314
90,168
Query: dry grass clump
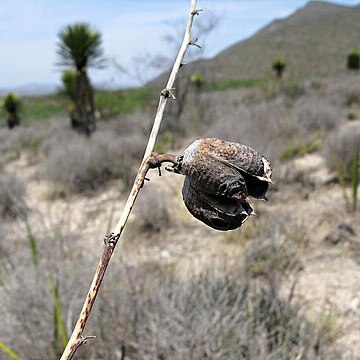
x,y
340,148
271,257
273,253
352,97
260,126
213,317
152,210
317,115
148,314
27,303
78,164
21,139
12,196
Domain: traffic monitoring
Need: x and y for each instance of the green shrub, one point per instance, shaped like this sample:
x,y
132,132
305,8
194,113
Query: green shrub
x,y
298,148
353,61
197,80
68,79
354,114
11,104
279,66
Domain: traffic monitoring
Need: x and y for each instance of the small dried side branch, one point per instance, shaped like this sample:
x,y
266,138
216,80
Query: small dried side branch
x,y
111,240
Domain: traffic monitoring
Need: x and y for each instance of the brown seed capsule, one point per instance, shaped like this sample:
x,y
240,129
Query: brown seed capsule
x,y
220,175
225,168
215,211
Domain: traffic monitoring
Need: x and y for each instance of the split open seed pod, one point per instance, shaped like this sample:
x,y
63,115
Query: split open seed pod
x,y
220,176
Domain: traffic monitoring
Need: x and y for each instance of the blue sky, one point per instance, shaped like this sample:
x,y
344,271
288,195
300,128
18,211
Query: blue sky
x,y
130,28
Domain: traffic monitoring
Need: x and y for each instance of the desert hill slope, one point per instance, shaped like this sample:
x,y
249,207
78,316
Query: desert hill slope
x,y
314,40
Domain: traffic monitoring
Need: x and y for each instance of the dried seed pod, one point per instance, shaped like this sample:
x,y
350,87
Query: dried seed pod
x,y
220,175
225,168
215,211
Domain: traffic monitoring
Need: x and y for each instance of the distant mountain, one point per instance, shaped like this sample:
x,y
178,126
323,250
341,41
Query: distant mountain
x,y
314,40
31,89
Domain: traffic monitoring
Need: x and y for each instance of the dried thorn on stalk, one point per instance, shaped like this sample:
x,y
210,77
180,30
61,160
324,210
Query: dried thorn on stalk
x,y
82,340
196,12
194,43
111,239
166,93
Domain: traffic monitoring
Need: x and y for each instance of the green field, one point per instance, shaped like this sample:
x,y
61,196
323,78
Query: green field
x,y
108,103
111,103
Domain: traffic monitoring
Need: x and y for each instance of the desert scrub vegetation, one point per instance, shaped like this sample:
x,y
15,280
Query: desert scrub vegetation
x,y
28,301
271,257
153,211
317,115
298,148
342,154
12,196
340,148
217,317
76,164
22,140
216,314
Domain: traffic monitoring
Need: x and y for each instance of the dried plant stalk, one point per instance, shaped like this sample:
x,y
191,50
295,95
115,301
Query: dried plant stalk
x,y
77,337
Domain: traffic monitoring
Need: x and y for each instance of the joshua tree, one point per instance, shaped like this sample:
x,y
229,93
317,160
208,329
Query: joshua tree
x,y
353,61
79,47
279,66
11,104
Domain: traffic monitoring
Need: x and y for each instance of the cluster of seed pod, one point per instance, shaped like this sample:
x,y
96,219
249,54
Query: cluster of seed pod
x,y
219,178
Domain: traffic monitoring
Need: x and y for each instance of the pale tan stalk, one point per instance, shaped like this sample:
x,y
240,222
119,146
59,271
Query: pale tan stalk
x,y
77,338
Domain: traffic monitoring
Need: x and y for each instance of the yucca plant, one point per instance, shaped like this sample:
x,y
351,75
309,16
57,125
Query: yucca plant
x,y
11,104
68,79
68,89
79,48
279,67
